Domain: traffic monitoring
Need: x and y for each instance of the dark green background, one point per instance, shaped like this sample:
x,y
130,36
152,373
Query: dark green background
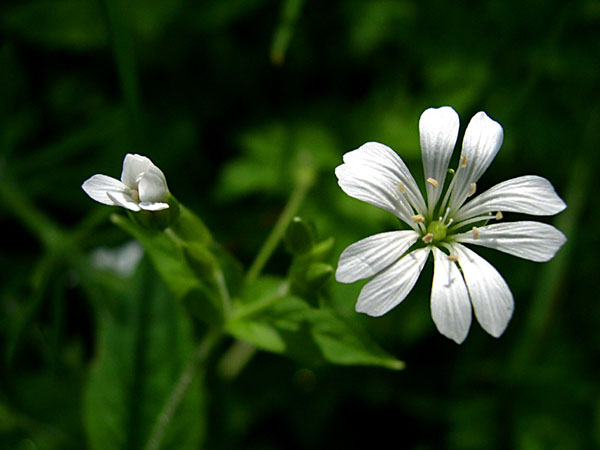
x,y
224,95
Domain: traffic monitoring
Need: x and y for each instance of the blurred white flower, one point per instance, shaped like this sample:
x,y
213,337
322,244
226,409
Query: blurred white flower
x,y
142,186
374,173
122,260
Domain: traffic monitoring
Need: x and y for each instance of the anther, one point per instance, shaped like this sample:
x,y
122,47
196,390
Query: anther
x,y
499,215
475,233
433,182
463,161
472,189
453,258
401,187
418,218
427,238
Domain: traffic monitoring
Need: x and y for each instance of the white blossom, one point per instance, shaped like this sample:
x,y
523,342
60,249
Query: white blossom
x,y
142,187
440,226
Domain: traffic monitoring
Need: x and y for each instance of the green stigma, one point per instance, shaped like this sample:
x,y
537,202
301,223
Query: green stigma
x,y
438,230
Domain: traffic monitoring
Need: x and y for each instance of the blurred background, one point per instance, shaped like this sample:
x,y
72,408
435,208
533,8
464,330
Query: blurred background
x,y
227,97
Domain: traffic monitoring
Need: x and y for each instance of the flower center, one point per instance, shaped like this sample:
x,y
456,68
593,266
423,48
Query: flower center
x,y
438,230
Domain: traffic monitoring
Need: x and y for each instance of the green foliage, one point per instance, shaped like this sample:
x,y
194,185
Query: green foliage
x,y
273,156
284,323
143,344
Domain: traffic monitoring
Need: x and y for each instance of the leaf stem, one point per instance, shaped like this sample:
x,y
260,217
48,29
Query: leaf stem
x,y
210,341
300,190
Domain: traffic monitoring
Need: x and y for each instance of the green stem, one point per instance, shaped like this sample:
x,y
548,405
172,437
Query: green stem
x,y
261,305
278,231
193,367
547,293
223,291
235,359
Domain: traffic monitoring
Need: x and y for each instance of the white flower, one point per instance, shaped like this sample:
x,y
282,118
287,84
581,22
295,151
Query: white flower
x,y
374,173
122,260
142,186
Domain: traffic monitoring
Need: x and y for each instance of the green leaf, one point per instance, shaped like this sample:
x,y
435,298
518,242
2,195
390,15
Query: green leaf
x,y
166,254
143,345
286,324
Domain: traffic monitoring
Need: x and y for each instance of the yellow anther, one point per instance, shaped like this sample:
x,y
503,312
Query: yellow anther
x,y
499,215
472,189
453,258
463,161
418,218
475,233
401,187
427,238
433,182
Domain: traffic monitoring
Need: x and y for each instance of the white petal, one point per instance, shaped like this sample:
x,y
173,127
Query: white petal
x,y
369,256
153,206
490,295
124,200
529,194
438,129
133,167
535,241
483,138
98,186
391,286
374,173
450,304
152,186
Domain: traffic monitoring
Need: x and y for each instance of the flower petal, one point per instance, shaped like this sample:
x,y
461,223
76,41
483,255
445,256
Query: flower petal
x,y
529,194
374,173
391,286
491,297
147,206
124,200
438,129
152,186
450,304
133,167
98,186
369,256
482,141
535,241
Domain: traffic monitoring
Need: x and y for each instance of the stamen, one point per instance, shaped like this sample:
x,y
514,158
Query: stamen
x,y
475,233
472,189
466,222
443,219
418,218
433,182
463,161
401,187
453,258
427,238
499,215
